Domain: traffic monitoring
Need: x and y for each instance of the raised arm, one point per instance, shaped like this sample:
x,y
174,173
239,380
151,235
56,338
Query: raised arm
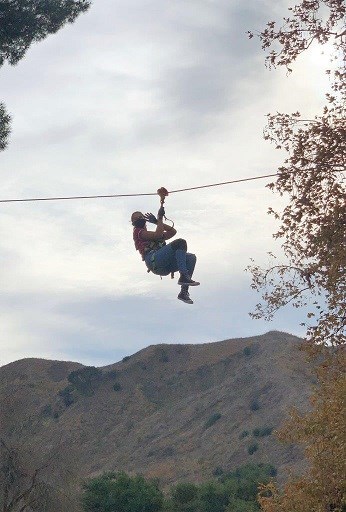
x,y
169,231
162,232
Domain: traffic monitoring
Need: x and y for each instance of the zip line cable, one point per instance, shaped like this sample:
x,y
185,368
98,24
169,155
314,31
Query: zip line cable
x,y
33,199
224,183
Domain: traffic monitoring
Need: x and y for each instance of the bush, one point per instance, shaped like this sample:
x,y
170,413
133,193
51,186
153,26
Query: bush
x,y
66,395
262,432
46,411
234,492
273,471
245,433
184,493
112,374
85,379
126,358
121,492
254,406
247,351
162,452
212,497
117,386
212,419
242,484
163,356
239,505
218,471
252,448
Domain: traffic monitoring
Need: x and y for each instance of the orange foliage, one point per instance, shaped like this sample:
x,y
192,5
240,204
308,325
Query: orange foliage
x,y
322,433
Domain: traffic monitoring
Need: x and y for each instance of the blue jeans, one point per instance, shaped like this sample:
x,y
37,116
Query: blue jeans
x,y
168,260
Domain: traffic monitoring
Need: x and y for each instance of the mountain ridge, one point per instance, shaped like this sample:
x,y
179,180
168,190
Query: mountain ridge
x,y
151,346
170,411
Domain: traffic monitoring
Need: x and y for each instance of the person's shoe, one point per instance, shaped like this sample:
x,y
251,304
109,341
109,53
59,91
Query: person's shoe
x,y
185,297
185,280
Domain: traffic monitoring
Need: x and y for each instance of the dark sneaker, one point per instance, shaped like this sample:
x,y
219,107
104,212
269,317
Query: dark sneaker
x,y
185,297
185,280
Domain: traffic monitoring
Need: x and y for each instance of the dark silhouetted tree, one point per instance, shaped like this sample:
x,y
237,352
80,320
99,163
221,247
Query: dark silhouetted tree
x,y
23,22
5,121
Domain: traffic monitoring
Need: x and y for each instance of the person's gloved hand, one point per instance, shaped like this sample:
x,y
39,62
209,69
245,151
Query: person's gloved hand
x,y
161,213
150,217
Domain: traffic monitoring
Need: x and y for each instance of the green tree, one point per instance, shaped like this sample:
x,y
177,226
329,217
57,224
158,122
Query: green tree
x,y
23,22
238,505
243,483
121,493
213,496
185,498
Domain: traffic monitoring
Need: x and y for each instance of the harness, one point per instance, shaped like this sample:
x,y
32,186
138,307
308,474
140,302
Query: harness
x,y
152,247
153,267
152,263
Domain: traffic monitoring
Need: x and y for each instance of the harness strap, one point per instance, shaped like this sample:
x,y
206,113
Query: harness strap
x,y
153,265
152,262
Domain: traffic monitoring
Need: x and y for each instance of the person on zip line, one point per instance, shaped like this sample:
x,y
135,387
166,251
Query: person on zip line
x,y
160,258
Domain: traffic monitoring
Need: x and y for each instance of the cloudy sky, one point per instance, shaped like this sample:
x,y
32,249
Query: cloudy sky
x,y
135,95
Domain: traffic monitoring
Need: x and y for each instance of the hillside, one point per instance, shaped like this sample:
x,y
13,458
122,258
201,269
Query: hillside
x,y
169,411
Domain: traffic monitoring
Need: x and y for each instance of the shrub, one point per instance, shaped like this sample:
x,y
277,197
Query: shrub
x,y
245,433
163,356
254,406
121,492
212,419
66,395
112,374
239,505
85,379
266,431
126,358
162,452
252,448
117,386
242,484
262,432
273,471
168,451
184,493
46,410
247,351
218,471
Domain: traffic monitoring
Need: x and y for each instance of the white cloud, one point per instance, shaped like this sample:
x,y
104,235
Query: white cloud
x,y
132,97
